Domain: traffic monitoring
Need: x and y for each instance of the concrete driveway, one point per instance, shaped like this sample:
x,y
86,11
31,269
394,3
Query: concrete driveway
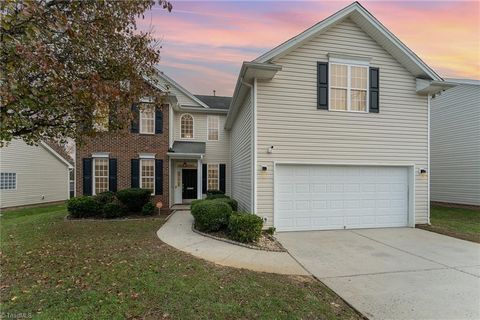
x,y
394,273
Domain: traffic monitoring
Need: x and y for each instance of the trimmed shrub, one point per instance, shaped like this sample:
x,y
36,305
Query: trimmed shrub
x,y
213,191
271,231
148,209
195,202
83,207
231,202
211,215
245,227
134,198
113,210
105,197
216,196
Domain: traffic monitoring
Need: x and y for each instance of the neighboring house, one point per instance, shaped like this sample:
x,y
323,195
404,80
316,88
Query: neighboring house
x,y
178,149
455,144
329,130
33,174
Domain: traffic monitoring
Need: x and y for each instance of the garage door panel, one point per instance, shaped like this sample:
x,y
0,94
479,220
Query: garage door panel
x,y
333,197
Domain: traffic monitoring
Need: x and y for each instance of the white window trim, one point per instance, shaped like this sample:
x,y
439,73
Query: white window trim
x,y
16,178
193,126
140,173
208,127
218,175
93,174
349,64
140,129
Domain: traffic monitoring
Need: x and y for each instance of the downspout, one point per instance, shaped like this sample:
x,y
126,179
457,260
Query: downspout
x,y
253,96
429,98
254,106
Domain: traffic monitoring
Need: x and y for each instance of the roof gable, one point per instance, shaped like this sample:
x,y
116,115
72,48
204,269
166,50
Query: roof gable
x,y
367,22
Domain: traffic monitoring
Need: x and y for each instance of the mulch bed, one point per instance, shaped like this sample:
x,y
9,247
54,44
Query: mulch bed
x,y
266,242
464,236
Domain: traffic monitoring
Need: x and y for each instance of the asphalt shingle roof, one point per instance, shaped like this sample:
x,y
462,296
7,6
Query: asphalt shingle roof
x,y
188,147
215,102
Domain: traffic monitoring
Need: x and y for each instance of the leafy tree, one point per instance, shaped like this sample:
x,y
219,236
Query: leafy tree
x,y
65,64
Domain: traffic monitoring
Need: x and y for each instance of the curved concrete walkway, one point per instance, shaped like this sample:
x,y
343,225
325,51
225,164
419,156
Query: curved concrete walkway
x,y
177,232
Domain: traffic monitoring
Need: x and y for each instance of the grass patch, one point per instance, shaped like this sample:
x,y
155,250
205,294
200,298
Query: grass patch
x,y
52,268
459,223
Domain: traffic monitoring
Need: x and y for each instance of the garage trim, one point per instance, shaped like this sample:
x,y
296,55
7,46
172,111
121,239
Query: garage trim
x,y
411,181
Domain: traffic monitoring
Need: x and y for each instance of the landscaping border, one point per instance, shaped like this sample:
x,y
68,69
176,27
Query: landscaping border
x,y
238,243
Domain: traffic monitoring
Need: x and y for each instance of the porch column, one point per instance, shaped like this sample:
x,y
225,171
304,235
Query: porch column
x,y
199,178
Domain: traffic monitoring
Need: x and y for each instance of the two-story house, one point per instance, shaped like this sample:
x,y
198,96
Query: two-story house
x,y
329,130
178,149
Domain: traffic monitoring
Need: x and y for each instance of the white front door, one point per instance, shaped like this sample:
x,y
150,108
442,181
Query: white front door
x,y
178,186
320,197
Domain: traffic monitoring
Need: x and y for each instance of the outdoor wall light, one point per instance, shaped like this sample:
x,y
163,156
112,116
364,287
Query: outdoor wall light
x,y
422,171
264,168
270,149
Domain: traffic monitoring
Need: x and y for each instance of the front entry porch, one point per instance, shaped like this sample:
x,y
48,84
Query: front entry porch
x,y
186,181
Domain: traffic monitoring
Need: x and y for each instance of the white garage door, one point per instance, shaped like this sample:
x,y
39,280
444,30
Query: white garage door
x,y
320,197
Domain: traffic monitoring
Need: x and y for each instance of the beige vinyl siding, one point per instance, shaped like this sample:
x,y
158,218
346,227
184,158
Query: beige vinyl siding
x,y
39,173
455,146
182,98
215,151
288,118
242,143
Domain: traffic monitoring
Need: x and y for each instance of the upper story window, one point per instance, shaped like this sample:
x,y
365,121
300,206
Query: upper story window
x,y
213,123
100,119
348,87
186,126
100,175
8,181
147,119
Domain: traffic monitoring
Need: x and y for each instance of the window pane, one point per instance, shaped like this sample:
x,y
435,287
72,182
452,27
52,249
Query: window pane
x,y
147,119
186,126
147,174
359,77
359,100
338,75
212,177
338,99
101,175
213,124
100,121
8,181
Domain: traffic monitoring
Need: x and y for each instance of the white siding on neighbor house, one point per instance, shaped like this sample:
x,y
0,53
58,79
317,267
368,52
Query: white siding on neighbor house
x,y
215,151
39,174
288,118
242,154
455,146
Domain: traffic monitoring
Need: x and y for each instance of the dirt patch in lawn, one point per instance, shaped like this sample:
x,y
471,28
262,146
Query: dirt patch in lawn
x,y
460,235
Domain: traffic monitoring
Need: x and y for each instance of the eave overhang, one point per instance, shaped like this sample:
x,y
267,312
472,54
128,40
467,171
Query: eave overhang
x,y
431,87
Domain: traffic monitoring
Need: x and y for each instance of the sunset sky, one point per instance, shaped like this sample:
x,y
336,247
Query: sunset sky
x,y
205,42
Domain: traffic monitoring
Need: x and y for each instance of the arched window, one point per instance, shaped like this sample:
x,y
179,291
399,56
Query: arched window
x,y
186,126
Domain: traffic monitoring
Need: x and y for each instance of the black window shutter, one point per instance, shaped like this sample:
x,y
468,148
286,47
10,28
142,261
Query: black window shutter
x,y
87,176
158,121
374,90
112,175
222,172
135,173
322,85
204,178
135,119
158,176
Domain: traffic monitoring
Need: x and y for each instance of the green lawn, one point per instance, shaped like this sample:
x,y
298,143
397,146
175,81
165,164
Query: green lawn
x,y
459,223
52,268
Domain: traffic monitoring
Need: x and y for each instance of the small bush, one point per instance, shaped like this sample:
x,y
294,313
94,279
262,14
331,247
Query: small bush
x,y
195,202
83,207
232,203
216,196
245,227
213,191
271,231
148,209
113,210
134,198
105,197
211,215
